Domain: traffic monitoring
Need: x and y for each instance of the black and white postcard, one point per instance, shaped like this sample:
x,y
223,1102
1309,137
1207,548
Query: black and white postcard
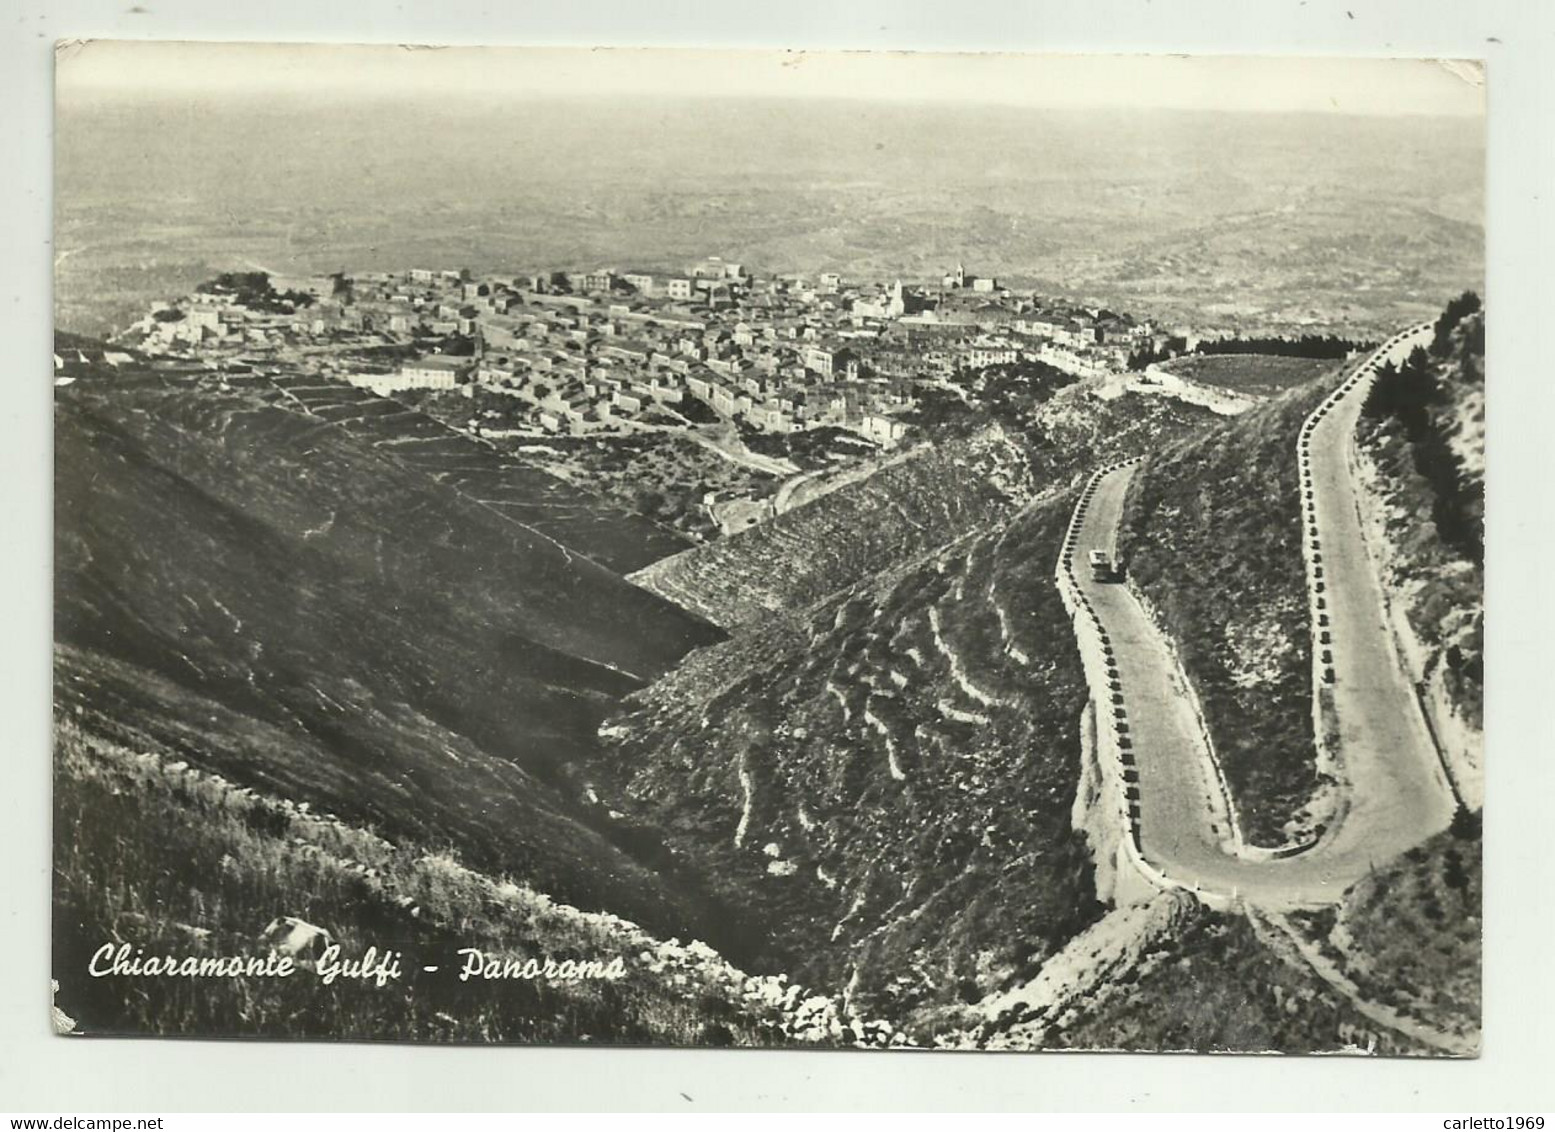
x,y
769,549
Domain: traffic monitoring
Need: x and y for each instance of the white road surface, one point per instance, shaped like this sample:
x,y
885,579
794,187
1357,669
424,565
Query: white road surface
x,y
1395,791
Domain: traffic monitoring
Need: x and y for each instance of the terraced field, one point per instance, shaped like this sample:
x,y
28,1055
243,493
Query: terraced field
x,y
1259,375
804,556
888,780
910,507
586,524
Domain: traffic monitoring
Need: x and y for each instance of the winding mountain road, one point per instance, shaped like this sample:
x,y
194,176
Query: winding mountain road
x,y
1395,793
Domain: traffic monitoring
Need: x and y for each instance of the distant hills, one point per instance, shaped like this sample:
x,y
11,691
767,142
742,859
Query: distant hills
x,y
1258,221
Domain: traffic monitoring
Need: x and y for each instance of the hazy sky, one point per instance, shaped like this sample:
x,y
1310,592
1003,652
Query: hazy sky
x,y
1344,85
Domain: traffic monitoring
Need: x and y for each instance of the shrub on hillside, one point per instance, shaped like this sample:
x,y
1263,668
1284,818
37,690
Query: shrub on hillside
x,y
1456,311
1412,396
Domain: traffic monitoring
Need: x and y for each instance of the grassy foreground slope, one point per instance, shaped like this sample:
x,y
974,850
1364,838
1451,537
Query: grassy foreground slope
x,y
271,598
1212,537
889,779
185,863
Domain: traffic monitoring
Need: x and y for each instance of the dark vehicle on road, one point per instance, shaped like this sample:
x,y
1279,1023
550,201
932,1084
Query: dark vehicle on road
x,y
1103,568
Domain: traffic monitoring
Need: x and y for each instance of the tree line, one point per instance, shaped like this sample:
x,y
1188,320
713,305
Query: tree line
x,y
253,290
1413,398
1322,346
1451,318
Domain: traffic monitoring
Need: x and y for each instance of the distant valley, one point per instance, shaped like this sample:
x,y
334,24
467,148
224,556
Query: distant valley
x,y
1241,221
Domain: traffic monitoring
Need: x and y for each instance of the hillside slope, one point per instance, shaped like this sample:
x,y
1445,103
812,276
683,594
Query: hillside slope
x,y
1217,982
1212,539
1411,935
268,597
805,555
891,779
909,506
586,523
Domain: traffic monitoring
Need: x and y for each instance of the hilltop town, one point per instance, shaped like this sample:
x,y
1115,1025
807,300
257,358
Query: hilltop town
x,y
709,400
601,352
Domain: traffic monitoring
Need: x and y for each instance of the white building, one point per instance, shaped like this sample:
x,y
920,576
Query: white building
x,y
983,354
884,431
436,371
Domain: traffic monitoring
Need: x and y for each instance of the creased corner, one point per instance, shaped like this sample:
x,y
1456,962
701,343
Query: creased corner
x,y
1470,71
62,1022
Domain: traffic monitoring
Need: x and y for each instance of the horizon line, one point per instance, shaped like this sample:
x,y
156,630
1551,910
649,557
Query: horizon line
x,y
1355,85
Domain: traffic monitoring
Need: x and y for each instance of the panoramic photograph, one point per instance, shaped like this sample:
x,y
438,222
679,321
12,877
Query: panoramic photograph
x,y
870,550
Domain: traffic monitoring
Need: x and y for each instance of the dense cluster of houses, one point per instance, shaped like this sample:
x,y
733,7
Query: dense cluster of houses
x,y
592,350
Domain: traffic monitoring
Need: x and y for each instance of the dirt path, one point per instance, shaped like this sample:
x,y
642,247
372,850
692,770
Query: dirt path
x,y
727,443
809,486
1329,971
